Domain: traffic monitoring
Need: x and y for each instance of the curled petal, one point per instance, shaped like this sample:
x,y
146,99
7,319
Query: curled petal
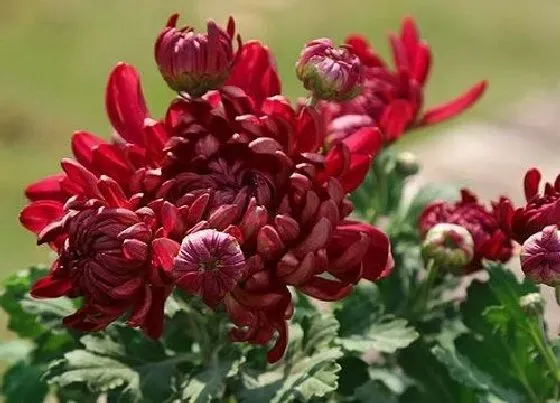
x,y
453,108
49,287
83,144
531,183
48,188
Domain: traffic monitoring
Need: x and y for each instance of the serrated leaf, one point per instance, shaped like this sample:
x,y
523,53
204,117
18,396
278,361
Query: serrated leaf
x,y
209,384
463,371
359,310
22,383
15,289
309,369
386,337
100,374
394,379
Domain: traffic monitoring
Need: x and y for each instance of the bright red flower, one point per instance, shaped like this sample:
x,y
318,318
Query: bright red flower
x,y
491,238
393,98
541,210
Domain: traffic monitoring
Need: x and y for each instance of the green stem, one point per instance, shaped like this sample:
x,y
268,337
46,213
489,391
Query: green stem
x,y
423,291
537,331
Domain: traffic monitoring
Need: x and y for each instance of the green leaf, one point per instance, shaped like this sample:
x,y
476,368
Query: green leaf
x,y
15,350
359,310
462,370
309,369
100,374
502,342
15,289
209,384
387,336
371,392
393,378
22,383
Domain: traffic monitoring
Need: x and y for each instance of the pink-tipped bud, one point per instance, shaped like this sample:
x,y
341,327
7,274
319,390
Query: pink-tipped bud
x,y
194,62
209,264
450,246
330,73
540,257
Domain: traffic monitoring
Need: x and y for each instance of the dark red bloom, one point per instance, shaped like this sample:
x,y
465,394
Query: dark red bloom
x,y
229,198
195,62
328,72
541,210
393,98
491,239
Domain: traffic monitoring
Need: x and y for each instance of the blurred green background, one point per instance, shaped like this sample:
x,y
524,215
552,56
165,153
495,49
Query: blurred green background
x,y
55,56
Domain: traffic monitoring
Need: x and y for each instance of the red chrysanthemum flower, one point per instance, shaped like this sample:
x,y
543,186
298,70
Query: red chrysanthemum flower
x,y
541,210
228,198
393,98
491,239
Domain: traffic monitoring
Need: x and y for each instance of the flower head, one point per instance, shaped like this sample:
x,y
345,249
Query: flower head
x,y
393,98
195,62
540,256
450,246
491,240
328,72
229,197
541,210
209,264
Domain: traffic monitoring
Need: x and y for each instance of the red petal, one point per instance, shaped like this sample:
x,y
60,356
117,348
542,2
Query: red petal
x,y
164,251
362,48
396,118
400,56
125,103
47,188
280,345
254,71
47,287
79,175
83,144
453,108
39,214
422,63
531,183
355,175
310,131
325,290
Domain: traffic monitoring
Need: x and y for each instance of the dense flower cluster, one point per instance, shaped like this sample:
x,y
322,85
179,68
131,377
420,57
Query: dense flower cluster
x,y
393,99
230,197
491,238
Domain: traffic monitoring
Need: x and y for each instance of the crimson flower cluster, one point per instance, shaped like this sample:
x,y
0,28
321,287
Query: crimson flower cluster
x,y
230,197
492,239
393,98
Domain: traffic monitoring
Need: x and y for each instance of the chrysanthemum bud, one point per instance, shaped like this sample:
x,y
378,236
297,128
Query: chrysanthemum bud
x,y
407,164
195,62
532,304
450,246
209,264
540,257
330,73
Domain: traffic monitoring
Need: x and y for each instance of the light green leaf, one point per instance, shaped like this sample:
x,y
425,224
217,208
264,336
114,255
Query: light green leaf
x,y
100,374
385,337
394,379
463,371
309,369
210,383
14,350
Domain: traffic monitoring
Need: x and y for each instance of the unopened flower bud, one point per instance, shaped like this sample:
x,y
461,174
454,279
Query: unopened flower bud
x,y
532,304
330,73
450,246
407,164
540,257
195,62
